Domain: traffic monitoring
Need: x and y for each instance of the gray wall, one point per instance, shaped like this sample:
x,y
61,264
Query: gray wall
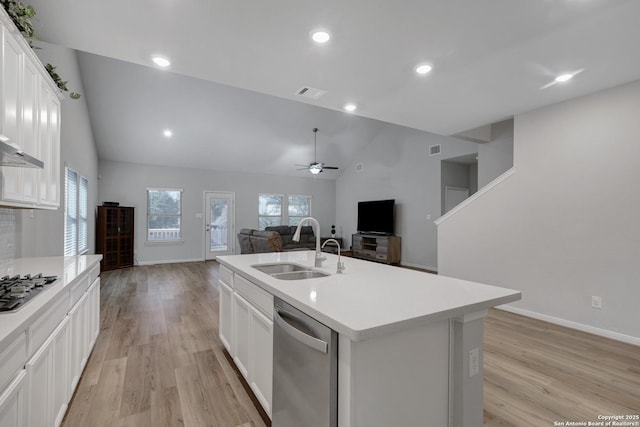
x,y
456,175
564,227
41,233
127,183
496,157
397,166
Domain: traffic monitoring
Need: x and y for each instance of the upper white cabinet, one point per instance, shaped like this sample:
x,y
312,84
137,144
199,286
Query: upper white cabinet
x,y
29,120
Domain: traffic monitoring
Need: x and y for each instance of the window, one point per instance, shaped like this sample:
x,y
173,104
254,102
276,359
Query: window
x,y
269,210
164,215
76,213
299,207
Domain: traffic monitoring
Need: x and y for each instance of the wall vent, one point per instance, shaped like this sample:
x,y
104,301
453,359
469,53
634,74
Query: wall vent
x,y
434,150
359,167
310,92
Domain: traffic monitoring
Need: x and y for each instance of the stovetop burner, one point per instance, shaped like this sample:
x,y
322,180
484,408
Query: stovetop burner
x,y
15,291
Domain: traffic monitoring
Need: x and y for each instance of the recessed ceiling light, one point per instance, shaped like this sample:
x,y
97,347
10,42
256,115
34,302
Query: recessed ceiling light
x,y
423,68
167,133
350,107
564,77
320,36
161,61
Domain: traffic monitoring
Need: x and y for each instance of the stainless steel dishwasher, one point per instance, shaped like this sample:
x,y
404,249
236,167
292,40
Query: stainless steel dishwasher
x,y
305,370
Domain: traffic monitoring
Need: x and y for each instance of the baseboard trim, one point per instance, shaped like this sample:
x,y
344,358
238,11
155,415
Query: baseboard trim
x,y
573,325
419,267
170,261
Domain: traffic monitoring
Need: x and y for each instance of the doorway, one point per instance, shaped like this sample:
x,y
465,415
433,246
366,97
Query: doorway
x,y
219,224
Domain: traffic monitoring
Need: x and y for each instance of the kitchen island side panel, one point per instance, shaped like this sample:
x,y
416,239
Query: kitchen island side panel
x,y
395,379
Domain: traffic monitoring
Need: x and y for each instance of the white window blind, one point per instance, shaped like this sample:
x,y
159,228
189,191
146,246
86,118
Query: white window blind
x,y
298,207
269,210
83,208
76,213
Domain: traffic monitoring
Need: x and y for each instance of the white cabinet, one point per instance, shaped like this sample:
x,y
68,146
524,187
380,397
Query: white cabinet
x,y
49,142
241,312
246,330
261,358
30,119
84,324
13,403
39,372
226,320
61,382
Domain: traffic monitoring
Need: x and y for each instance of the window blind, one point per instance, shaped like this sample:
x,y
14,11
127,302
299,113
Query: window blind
x,y
71,207
83,208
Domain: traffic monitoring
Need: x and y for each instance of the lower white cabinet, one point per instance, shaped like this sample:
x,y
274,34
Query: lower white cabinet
x,y
246,330
241,341
226,319
13,403
61,382
84,325
261,357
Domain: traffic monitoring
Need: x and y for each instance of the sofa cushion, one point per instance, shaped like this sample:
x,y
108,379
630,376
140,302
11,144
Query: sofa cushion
x,y
285,233
266,241
244,239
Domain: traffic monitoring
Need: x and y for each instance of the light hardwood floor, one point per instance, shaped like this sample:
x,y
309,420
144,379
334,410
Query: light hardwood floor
x,y
158,362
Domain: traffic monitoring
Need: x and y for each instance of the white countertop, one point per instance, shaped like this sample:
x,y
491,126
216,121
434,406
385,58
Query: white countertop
x,y
369,298
66,268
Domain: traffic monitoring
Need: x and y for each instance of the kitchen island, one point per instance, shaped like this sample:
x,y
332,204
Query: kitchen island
x,y
409,343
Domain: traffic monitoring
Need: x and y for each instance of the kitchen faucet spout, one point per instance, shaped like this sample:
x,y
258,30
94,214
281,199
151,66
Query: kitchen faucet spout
x,y
316,229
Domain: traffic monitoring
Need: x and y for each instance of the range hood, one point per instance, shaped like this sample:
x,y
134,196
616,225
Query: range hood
x,y
10,155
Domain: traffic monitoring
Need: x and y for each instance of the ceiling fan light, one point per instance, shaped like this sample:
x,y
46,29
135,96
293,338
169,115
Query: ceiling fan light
x,y
315,169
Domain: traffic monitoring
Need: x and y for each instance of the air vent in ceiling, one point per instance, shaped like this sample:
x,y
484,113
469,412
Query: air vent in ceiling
x,y
434,150
310,92
359,167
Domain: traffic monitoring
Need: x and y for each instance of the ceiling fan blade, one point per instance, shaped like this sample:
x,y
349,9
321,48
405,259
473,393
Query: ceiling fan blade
x,y
303,166
330,167
303,169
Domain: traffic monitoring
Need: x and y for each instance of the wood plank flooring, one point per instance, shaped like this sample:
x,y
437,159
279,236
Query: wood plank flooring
x,y
158,362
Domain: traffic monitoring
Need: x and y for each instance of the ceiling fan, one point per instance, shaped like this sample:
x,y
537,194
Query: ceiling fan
x,y
315,167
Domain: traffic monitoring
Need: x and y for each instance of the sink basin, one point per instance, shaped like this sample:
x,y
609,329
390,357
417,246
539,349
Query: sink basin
x,y
280,267
299,275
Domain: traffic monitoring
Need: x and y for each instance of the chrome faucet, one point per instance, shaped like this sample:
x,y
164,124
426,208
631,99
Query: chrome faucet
x,y
340,268
316,226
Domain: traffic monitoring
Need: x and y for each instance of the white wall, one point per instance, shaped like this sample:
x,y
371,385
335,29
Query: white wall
x,y
127,183
41,233
397,166
565,226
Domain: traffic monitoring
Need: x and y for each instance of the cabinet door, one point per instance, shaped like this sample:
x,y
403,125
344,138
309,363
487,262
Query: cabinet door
x,y
226,323
13,404
11,64
61,381
10,102
261,360
49,143
241,313
76,347
39,372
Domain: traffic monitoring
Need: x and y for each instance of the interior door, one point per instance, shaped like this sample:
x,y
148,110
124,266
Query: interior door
x,y
219,224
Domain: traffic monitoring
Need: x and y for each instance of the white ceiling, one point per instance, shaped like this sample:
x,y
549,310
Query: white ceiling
x,y
492,59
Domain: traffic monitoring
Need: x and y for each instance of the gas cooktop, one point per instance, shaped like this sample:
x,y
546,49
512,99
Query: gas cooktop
x,y
16,291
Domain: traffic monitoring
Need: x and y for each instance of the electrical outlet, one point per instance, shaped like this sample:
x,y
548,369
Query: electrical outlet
x,y
474,362
596,302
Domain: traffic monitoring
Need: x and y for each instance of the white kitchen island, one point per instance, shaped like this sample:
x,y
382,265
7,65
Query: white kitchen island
x,y
410,343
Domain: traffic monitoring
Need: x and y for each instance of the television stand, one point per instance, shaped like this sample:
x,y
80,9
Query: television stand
x,y
385,249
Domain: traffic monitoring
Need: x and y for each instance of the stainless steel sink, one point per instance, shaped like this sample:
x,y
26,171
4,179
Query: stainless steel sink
x,y
300,275
280,267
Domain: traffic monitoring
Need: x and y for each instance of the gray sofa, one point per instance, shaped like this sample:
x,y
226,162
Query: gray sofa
x,y
275,239
286,232
256,241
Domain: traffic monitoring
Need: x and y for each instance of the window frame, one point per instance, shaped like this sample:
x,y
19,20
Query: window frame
x,y
307,196
81,222
281,216
179,215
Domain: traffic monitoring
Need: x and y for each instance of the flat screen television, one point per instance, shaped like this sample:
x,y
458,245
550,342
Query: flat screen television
x,y
376,217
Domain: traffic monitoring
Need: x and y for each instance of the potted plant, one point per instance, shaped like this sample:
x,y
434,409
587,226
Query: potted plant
x,y
21,16
333,230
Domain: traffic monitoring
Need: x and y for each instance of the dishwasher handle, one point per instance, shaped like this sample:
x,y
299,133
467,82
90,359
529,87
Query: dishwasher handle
x,y
308,340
